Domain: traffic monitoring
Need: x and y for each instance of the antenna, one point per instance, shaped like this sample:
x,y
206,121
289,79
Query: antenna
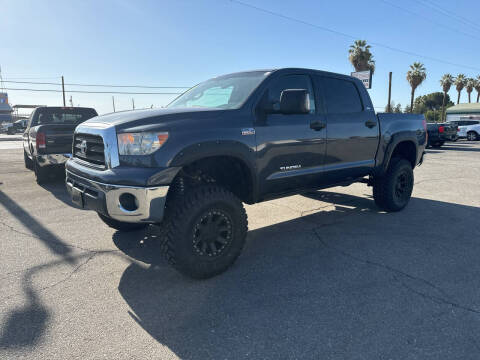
x,y
1,80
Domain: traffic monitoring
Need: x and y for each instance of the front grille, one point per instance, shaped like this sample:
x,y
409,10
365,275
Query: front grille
x,y
89,148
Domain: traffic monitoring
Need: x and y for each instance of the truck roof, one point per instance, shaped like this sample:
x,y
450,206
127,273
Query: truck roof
x,y
287,69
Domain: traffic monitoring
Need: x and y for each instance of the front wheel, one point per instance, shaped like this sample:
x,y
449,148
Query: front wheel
x,y
205,232
121,225
392,191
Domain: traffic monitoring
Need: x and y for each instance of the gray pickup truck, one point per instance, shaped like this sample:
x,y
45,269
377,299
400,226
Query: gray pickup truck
x,y
244,137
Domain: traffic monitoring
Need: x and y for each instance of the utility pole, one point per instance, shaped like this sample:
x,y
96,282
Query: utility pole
x,y
389,106
113,103
63,92
133,104
71,101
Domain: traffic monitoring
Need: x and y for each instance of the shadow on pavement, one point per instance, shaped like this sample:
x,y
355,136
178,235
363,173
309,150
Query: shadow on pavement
x,y
344,282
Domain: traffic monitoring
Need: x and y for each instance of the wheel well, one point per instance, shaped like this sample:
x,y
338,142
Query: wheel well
x,y
227,171
406,150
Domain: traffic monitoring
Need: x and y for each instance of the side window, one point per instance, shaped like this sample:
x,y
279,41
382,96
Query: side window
x,y
292,82
341,96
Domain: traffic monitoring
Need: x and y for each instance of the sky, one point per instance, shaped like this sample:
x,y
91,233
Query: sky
x,y
183,42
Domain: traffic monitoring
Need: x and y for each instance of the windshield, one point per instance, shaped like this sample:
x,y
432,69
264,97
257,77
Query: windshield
x,y
73,116
225,92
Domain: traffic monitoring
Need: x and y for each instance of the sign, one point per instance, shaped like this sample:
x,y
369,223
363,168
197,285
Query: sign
x,y
365,77
3,98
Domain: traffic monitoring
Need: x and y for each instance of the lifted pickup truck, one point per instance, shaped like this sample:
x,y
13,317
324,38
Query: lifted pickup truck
x,y
47,141
244,137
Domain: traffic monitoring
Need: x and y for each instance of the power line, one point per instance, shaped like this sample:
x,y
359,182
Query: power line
x,y
95,92
449,14
98,85
430,20
290,18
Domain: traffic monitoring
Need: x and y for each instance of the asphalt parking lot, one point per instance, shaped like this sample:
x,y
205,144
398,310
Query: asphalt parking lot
x,y
324,275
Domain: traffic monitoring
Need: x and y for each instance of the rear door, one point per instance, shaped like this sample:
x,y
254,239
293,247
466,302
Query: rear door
x,y
289,151
352,130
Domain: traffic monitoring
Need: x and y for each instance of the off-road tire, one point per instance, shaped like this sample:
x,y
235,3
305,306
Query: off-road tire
x,y
121,225
200,209
28,161
41,173
393,190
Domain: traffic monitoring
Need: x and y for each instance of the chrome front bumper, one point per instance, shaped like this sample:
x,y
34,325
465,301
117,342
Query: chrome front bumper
x,y
53,159
105,199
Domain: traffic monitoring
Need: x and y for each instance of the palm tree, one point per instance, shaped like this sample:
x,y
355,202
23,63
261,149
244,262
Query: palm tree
x,y
460,81
477,87
469,85
361,57
415,76
446,81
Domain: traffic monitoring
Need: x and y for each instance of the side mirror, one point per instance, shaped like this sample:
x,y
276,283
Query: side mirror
x,y
294,101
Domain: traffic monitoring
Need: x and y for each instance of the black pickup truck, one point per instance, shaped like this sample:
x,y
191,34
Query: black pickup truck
x,y
439,133
47,140
244,137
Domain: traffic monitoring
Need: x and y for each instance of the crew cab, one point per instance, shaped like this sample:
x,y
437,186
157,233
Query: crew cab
x,y
439,133
239,138
47,140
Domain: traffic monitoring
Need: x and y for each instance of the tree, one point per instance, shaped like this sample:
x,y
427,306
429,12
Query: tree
x,y
460,81
469,85
477,87
446,81
415,76
361,57
398,109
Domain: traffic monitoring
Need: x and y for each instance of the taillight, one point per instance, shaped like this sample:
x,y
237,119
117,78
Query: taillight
x,y
458,129
424,123
40,140
441,129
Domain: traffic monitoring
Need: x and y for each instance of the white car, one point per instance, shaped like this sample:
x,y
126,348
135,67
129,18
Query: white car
x,y
469,129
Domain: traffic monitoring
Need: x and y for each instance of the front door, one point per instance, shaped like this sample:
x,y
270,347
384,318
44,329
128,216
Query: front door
x,y
289,151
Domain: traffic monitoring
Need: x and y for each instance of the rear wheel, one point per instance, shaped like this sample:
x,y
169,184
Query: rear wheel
x,y
121,225
41,173
438,144
392,191
205,232
472,136
27,160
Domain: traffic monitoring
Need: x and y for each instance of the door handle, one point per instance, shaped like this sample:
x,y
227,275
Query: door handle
x,y
370,124
317,125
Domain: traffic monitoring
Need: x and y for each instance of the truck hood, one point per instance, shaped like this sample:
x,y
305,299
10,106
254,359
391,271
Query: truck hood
x,y
126,117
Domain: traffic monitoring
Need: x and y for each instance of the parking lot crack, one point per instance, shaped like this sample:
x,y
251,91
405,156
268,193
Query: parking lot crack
x,y
405,279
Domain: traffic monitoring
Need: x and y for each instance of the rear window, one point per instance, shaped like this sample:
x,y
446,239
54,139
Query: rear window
x,y
62,116
341,96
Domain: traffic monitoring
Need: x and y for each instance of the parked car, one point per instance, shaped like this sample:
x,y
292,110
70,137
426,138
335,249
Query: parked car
x,y
244,137
47,141
469,129
439,133
17,127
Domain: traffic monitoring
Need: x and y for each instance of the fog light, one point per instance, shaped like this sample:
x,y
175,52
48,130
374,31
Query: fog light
x,y
128,202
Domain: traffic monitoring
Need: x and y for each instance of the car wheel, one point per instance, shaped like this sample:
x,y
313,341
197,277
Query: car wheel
x,y
121,225
438,145
27,160
472,136
392,191
205,232
41,173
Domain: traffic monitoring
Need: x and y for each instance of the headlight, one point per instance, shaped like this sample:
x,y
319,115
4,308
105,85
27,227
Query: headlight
x,y
143,143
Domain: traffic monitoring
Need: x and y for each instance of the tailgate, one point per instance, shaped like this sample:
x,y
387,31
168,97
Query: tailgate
x,y
59,138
